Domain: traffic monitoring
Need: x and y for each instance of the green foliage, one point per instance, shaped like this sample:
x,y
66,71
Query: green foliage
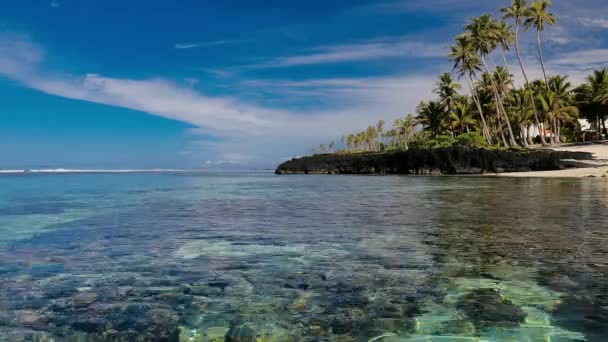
x,y
471,140
569,135
494,113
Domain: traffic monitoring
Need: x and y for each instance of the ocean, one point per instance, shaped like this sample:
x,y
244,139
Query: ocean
x,y
199,256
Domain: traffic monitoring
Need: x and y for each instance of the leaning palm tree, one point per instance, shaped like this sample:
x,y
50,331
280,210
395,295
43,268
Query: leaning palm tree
x,y
467,63
483,34
505,38
517,11
538,16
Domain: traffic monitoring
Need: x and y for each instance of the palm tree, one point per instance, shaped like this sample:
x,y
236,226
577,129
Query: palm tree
x,y
591,99
404,130
557,109
483,34
462,115
505,38
518,103
517,12
467,63
538,16
562,89
432,117
447,90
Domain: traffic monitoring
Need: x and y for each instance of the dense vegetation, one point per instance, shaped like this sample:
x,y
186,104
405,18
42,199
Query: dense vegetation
x,y
492,110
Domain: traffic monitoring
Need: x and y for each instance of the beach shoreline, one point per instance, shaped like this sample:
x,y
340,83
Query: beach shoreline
x,y
600,156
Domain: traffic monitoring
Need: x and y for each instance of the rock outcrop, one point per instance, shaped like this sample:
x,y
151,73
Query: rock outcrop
x,y
451,160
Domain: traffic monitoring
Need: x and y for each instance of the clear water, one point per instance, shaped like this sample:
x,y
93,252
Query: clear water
x,y
259,257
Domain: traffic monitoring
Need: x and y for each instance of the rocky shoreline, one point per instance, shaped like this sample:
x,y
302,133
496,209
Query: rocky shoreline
x,y
450,161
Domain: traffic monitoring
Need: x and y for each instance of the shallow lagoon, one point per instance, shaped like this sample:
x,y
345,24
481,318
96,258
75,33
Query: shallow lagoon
x,y
259,257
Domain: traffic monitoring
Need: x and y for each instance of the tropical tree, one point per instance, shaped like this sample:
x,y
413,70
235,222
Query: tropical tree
x,y
467,63
447,90
403,131
556,110
462,116
505,38
483,34
591,98
538,16
517,11
522,115
432,117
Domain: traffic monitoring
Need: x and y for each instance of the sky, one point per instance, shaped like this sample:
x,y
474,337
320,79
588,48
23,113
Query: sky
x,y
200,84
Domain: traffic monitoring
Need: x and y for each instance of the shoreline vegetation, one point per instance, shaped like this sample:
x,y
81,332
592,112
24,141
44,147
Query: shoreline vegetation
x,y
492,112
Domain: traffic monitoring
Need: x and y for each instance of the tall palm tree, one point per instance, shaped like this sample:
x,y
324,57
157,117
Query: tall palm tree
x,y
517,11
538,16
483,34
505,38
467,63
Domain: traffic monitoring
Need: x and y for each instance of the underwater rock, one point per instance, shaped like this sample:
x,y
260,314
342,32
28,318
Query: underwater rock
x,y
241,333
31,319
486,307
84,300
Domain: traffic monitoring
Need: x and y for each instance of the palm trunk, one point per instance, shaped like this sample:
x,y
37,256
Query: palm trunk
x,y
557,131
504,60
524,134
528,137
523,71
552,134
499,102
484,127
504,140
542,61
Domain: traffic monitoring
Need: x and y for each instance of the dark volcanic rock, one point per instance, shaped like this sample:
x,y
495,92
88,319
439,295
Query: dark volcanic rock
x,y
451,160
486,307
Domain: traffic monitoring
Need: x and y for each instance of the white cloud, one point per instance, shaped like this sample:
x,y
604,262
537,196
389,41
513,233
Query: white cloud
x,y
363,51
248,132
594,22
589,59
184,46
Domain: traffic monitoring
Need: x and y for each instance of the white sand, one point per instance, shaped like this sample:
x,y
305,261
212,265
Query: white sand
x,y
600,155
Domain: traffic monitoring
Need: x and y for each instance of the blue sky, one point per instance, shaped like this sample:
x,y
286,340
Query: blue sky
x,y
207,84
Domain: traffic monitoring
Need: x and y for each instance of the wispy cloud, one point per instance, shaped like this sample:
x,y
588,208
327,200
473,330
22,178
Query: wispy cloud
x,y
589,59
594,22
54,4
183,46
243,128
381,48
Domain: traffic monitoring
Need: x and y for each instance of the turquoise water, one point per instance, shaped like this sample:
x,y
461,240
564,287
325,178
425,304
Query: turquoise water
x,y
259,257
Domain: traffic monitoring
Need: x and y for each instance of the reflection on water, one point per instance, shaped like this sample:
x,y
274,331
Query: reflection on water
x,y
258,257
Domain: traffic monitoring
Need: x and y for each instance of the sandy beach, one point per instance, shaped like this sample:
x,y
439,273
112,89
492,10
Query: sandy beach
x,y
600,155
